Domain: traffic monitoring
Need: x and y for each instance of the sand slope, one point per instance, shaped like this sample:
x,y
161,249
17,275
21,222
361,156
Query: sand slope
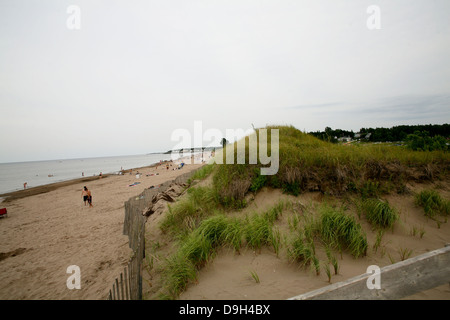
x,y
228,276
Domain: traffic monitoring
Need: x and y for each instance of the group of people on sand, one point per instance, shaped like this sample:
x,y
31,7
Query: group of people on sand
x,y
87,196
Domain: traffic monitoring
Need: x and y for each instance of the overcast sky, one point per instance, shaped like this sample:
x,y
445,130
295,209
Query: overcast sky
x,y
135,71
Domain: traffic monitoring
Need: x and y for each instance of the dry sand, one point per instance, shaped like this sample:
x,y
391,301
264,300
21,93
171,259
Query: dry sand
x,y
228,276
47,232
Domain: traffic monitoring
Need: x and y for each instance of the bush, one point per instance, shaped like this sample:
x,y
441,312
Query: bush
x,y
258,182
421,141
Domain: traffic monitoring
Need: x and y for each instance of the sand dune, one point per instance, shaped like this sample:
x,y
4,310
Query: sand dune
x,y
228,275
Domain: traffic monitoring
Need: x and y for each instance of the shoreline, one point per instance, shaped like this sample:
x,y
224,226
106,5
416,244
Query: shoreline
x,y
31,191
60,171
19,194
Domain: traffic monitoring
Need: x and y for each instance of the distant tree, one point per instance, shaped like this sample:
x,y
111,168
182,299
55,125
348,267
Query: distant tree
x,y
437,134
329,135
421,141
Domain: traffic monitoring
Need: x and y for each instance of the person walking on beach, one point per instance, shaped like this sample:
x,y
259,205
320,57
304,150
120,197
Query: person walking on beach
x,y
84,194
87,197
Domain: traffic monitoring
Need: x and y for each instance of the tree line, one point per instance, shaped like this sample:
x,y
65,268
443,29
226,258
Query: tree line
x,y
417,137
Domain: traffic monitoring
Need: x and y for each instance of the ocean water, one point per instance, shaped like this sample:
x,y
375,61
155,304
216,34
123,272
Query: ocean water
x,y
36,173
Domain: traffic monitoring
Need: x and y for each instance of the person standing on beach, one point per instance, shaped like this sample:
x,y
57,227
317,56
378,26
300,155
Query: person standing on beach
x,y
84,194
89,196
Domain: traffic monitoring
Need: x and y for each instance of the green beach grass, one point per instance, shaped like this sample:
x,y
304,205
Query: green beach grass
x,y
199,245
433,204
309,164
378,212
206,219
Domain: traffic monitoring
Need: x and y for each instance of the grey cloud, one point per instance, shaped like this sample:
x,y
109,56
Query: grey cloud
x,y
315,106
411,107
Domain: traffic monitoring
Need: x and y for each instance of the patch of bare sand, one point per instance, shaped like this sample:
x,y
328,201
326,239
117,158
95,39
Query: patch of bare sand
x,y
47,232
228,276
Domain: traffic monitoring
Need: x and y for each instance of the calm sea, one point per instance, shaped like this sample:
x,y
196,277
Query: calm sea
x,y
36,173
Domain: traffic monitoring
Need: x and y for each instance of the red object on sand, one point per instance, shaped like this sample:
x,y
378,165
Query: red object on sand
x,y
3,211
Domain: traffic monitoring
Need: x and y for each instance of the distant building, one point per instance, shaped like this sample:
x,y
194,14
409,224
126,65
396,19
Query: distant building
x,y
360,135
344,139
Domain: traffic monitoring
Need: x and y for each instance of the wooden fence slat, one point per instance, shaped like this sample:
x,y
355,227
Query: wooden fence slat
x,y
126,283
121,286
117,288
132,286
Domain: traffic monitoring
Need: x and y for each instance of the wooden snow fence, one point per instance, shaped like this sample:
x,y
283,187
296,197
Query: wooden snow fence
x,y
128,285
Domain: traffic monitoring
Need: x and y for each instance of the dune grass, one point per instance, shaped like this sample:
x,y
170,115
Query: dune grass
x,y
255,276
258,231
378,212
432,203
309,164
186,214
302,250
202,173
178,271
332,228
340,230
199,245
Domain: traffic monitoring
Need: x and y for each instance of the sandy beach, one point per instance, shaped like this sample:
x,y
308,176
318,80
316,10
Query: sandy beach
x,y
49,229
